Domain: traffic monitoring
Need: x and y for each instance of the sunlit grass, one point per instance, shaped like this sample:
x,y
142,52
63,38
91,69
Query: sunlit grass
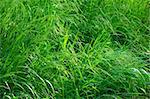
x,y
74,49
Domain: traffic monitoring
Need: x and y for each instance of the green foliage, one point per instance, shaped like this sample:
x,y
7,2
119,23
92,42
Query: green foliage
x,y
74,49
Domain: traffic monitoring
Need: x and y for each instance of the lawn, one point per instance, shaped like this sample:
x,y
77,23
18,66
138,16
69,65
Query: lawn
x,y
74,49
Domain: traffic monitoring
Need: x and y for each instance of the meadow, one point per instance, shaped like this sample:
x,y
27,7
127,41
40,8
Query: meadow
x,y
74,49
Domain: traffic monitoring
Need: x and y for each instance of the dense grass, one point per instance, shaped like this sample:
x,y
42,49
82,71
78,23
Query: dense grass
x,y
75,49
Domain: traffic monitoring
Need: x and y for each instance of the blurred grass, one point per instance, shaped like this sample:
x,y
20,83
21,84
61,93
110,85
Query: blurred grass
x,y
74,49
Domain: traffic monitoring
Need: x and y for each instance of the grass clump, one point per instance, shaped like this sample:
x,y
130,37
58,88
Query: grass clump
x,y
74,49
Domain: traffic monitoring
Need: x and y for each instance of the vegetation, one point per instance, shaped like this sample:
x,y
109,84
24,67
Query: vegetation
x,y
74,49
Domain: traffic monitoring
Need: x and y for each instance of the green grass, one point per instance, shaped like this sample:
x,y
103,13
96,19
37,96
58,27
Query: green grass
x,y
72,49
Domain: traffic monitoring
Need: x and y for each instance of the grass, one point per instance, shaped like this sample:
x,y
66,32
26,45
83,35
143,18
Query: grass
x,y
74,49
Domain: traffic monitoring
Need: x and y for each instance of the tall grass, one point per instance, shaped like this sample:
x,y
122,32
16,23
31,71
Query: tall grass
x,y
74,49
